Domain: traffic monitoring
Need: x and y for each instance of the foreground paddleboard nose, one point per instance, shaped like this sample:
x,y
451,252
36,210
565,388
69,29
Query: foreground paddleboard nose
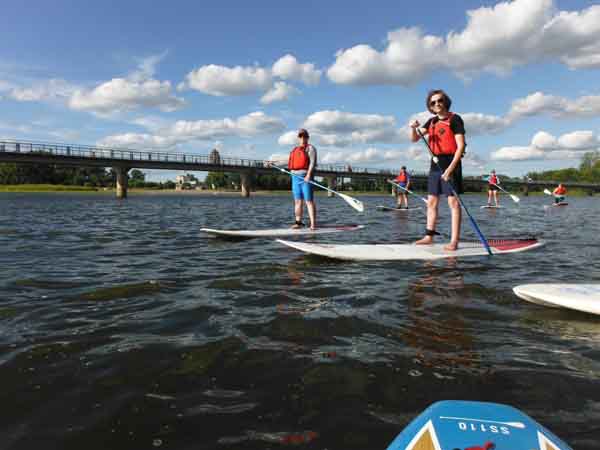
x,y
465,425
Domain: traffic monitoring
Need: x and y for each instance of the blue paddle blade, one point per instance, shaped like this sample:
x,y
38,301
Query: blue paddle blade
x,y
452,424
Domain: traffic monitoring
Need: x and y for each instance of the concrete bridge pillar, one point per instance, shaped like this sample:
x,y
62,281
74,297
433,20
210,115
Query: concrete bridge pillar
x,y
121,181
526,189
331,183
246,183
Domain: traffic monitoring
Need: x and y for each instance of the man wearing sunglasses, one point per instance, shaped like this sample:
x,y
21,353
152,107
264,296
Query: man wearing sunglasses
x,y
446,134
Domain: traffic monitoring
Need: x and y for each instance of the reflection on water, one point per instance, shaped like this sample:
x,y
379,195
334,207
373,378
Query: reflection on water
x,y
123,327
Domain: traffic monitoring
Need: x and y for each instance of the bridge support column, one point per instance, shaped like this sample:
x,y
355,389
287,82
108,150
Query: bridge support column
x,y
331,183
121,181
246,184
526,189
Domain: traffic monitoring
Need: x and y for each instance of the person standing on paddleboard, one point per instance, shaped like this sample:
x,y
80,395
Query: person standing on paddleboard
x,y
302,163
446,134
559,193
493,182
403,179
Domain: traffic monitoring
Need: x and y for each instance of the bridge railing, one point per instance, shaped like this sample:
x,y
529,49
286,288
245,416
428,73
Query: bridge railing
x,y
120,154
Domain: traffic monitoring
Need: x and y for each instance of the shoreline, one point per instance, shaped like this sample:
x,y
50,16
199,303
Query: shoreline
x,y
48,188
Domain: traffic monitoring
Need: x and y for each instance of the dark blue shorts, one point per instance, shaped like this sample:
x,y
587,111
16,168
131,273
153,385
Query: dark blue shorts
x,y
437,186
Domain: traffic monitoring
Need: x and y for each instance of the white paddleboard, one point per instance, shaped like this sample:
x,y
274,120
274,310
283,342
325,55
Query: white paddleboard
x,y
580,297
281,232
388,208
491,207
556,204
398,252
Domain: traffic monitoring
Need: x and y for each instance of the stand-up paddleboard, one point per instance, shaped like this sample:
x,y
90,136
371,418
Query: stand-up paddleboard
x,y
491,207
281,232
556,204
580,297
463,425
397,252
388,208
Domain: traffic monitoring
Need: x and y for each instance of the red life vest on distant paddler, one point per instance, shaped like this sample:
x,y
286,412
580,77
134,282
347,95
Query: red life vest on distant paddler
x,y
493,179
299,159
441,137
560,190
402,178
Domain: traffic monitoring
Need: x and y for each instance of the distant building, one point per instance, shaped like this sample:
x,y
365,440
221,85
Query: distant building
x,y
214,157
187,181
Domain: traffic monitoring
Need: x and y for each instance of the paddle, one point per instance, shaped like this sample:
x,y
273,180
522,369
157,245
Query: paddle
x,y
407,190
356,204
473,223
513,197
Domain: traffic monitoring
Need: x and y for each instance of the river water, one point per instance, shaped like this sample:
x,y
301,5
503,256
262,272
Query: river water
x,y
124,327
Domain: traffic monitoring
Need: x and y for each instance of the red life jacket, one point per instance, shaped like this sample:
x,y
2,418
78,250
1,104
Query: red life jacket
x,y
560,191
299,159
441,137
493,179
402,178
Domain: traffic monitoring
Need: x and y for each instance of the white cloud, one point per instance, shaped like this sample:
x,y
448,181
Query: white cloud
x,y
496,39
545,146
279,92
138,90
183,131
288,68
44,90
223,81
122,94
375,156
539,103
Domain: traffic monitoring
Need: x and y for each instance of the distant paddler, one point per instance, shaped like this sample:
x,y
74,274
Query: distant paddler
x,y
559,193
493,182
301,164
403,180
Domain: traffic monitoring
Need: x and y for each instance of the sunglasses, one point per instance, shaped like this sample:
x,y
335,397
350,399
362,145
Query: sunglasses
x,y
435,102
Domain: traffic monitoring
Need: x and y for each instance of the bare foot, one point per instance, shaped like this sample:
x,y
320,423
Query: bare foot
x,y
452,246
427,240
313,227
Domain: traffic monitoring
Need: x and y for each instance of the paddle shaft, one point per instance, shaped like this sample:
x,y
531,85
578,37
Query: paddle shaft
x,y
473,223
513,197
407,190
310,181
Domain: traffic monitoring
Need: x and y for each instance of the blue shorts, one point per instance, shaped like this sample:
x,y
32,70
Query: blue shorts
x,y
301,189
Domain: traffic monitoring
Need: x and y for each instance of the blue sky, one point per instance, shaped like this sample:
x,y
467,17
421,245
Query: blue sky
x,y
189,76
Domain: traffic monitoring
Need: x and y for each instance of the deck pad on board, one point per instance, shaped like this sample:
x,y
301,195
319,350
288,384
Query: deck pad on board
x,y
449,425
398,252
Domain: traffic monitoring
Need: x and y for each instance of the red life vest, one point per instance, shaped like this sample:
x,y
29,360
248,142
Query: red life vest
x,y
493,179
441,137
299,159
560,191
402,178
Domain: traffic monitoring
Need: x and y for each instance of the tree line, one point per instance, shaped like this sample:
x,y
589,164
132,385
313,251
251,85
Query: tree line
x,y
11,173
588,171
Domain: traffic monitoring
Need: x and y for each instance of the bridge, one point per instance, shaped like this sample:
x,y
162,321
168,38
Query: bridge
x,y
123,160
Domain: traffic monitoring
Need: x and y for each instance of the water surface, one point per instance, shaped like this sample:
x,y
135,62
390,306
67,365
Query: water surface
x,y
123,327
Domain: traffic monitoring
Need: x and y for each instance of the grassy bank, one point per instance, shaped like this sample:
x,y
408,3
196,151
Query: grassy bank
x,y
45,188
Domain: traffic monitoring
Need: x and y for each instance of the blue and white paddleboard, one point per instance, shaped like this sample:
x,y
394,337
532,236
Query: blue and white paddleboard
x,y
463,425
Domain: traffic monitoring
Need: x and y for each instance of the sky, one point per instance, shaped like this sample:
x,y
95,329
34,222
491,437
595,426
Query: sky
x,y
242,77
